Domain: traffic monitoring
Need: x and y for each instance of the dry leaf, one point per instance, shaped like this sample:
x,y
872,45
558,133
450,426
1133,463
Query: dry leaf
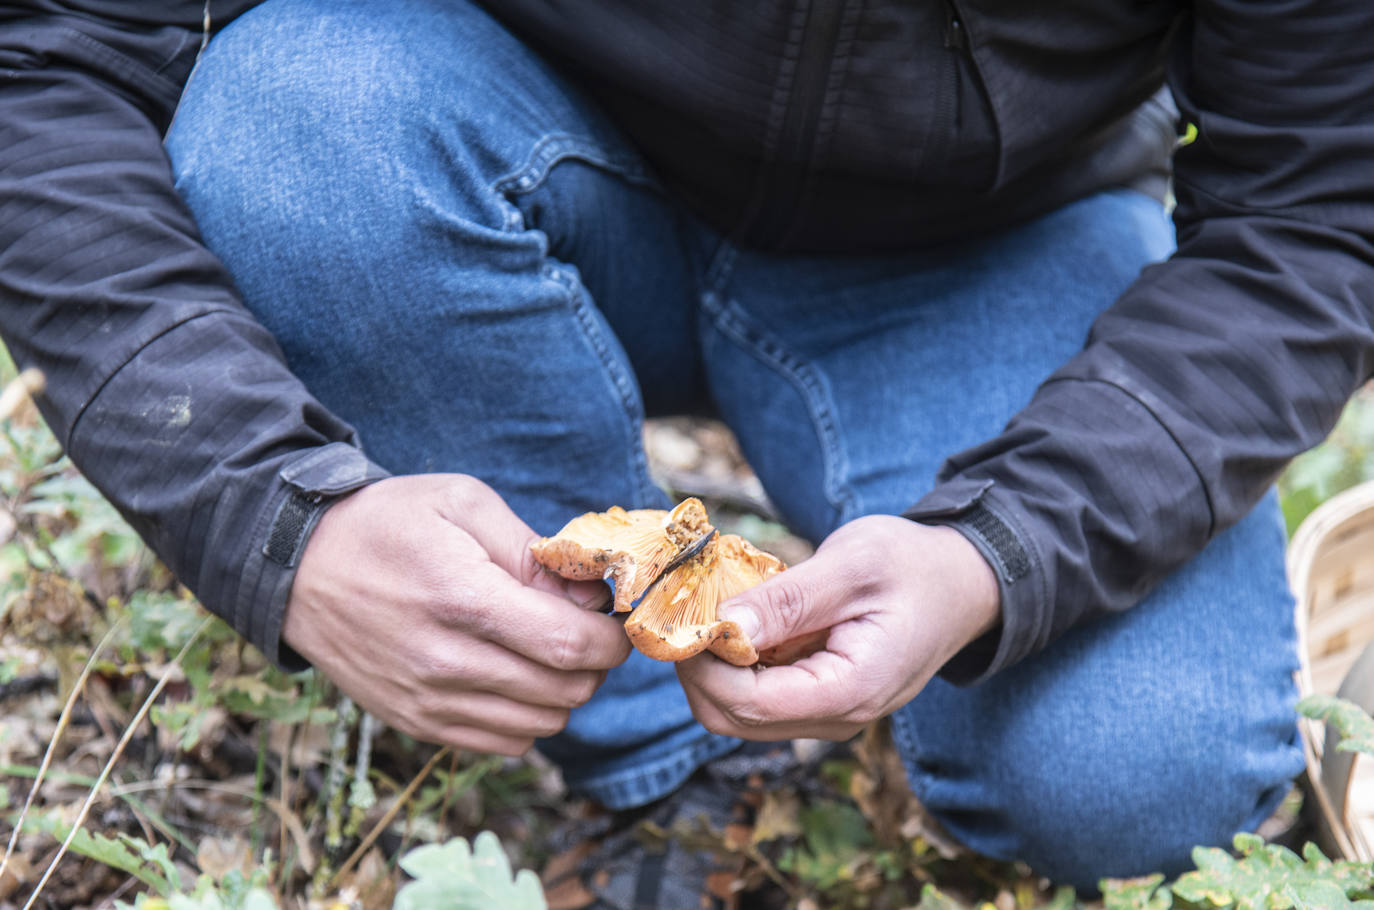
x,y
218,856
779,816
18,871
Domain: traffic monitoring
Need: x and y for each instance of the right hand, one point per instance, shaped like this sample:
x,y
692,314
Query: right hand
x,y
419,598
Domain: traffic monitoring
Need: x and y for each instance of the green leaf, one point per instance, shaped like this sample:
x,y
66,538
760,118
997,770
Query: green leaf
x,y
1135,894
157,857
206,896
933,899
1065,898
258,899
162,621
838,842
453,876
113,853
1349,719
1272,877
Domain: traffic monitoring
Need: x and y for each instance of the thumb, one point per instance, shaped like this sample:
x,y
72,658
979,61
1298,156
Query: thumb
x,y
809,597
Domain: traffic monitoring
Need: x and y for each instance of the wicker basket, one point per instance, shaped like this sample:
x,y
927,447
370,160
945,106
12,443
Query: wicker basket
x,y
1331,568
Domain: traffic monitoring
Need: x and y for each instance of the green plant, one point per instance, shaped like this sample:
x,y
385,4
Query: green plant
x,y
1345,459
454,876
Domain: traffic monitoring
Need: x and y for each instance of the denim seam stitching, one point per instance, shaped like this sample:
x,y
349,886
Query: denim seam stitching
x,y
546,153
623,385
800,374
556,147
721,267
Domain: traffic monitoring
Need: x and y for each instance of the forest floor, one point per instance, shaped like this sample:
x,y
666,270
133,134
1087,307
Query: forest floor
x,y
240,777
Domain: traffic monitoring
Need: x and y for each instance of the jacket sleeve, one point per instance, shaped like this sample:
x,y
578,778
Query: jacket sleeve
x,y
1216,367
163,389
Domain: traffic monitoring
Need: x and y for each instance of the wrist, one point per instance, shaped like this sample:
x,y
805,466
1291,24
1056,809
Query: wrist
x,y
974,584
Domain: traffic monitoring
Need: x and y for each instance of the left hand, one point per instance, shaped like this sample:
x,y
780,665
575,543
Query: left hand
x,y
899,600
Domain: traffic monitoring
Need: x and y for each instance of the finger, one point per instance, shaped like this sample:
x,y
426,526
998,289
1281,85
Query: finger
x,y
494,713
589,595
817,691
812,596
461,664
550,630
477,740
484,516
714,719
481,513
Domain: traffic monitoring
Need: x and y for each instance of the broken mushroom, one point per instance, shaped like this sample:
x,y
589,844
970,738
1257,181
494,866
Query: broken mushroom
x,y
671,569
629,550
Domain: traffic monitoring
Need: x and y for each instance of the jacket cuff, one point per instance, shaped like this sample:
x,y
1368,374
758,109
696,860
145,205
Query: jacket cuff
x,y
973,508
305,488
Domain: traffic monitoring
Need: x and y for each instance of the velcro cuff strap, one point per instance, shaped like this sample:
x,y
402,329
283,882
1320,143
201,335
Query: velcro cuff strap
x,y
1013,561
292,524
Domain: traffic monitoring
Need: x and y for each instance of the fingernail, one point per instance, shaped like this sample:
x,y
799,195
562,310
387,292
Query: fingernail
x,y
744,617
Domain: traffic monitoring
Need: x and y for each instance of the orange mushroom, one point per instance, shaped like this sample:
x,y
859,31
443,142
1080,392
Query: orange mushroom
x,y
629,550
679,618
671,569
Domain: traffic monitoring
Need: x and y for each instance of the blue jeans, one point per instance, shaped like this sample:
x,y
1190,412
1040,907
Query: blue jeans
x,y
464,258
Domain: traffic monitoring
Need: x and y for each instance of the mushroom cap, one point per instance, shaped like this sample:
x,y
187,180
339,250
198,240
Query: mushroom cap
x,y
674,613
629,550
678,619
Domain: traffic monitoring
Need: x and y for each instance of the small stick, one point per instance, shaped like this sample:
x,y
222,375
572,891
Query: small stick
x,y
62,722
385,820
114,756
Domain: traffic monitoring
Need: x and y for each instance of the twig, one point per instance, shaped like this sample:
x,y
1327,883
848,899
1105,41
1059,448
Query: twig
x,y
284,792
385,820
62,720
360,795
334,789
287,859
448,789
114,756
259,781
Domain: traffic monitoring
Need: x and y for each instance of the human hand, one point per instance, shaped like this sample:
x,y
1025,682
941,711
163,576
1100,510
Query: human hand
x,y
419,598
899,599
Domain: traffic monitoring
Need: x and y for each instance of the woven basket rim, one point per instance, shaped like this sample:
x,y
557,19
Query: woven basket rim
x,y
1334,520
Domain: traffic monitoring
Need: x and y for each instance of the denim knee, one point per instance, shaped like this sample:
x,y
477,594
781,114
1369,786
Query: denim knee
x,y
358,167
1102,802
1111,807
317,127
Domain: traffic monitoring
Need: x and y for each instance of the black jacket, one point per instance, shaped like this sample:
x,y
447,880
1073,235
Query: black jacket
x,y
936,120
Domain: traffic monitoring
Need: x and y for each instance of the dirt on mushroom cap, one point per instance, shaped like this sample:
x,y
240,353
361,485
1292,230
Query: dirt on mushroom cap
x,y
628,549
678,616
679,619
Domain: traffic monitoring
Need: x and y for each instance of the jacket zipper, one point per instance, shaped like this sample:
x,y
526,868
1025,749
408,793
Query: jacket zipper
x,y
813,70
947,89
955,37
787,176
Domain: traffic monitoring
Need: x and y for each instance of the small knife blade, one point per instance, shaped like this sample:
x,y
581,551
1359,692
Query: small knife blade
x,y
692,549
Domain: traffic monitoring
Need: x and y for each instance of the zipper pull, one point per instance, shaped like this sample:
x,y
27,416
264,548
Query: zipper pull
x,y
954,29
